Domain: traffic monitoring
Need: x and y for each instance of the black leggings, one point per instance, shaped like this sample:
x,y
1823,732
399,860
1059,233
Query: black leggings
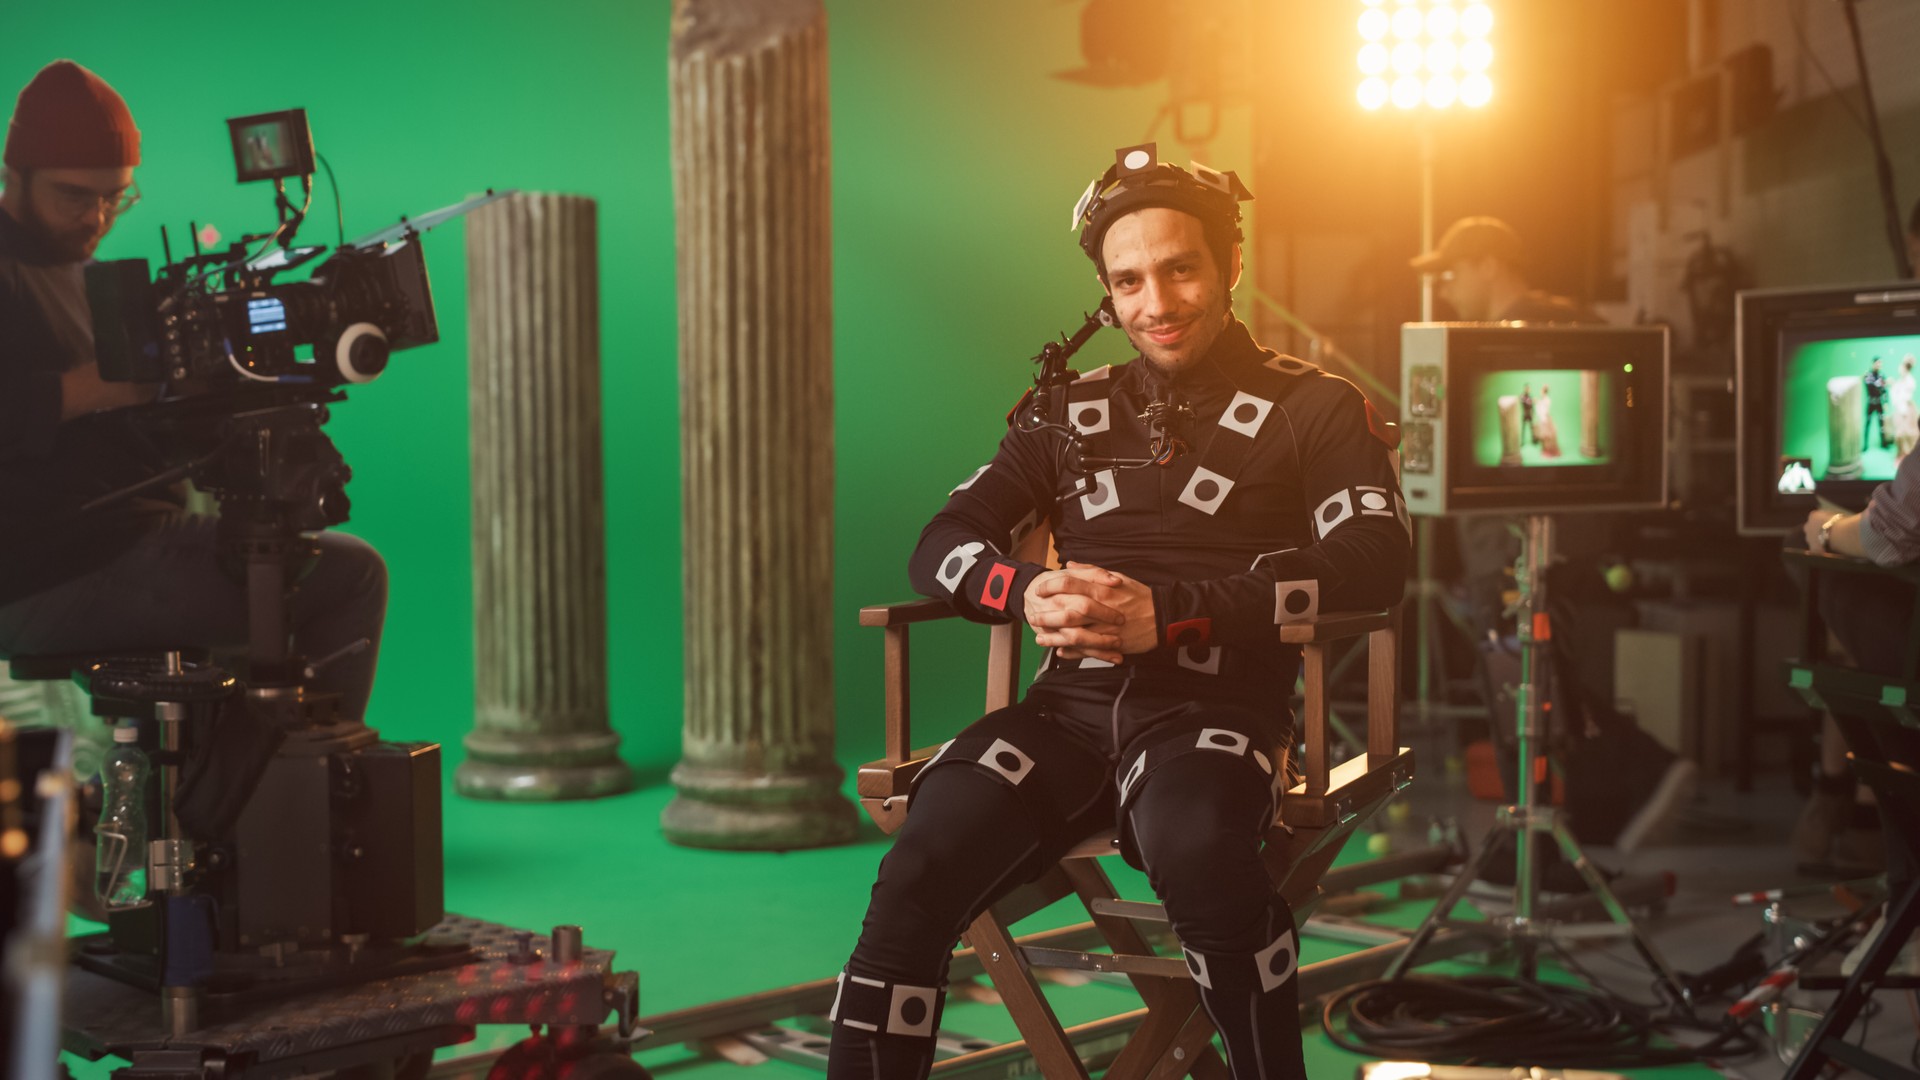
x,y
1007,799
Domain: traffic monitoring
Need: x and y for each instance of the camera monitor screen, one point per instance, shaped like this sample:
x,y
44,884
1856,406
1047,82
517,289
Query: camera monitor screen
x,y
1847,410
1532,419
1543,419
1827,397
271,146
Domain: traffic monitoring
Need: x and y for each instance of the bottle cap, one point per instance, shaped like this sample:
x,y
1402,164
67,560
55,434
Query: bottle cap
x,y
126,733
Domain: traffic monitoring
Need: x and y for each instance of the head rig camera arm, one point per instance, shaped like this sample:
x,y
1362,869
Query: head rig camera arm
x,y
1045,407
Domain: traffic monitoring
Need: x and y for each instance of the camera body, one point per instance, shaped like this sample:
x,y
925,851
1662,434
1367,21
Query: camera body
x,y
338,326
222,315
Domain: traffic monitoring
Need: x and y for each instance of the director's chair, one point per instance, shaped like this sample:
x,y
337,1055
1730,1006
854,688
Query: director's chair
x,y
1879,715
1328,802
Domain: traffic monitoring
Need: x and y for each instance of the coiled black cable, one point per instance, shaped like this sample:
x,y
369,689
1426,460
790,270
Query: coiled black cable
x,y
1496,1020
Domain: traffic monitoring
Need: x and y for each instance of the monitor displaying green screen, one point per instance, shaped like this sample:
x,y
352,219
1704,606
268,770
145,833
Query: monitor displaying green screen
x,y
1841,416
1543,418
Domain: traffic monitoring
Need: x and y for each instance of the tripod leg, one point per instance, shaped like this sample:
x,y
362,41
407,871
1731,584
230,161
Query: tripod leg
x,y
1467,876
1617,911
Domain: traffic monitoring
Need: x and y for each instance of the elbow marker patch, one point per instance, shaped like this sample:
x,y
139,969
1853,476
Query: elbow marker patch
x,y
1296,601
953,569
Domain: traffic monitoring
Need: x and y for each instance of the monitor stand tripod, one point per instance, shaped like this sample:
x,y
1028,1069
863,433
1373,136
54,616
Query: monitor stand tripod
x,y
1523,927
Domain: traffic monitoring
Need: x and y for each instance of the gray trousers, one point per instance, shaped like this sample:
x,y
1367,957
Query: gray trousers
x,y
169,592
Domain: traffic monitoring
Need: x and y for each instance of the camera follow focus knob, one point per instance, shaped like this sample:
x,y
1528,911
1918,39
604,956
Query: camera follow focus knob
x,y
361,353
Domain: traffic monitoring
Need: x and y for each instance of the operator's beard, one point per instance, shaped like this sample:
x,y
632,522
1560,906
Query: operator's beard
x,y
68,245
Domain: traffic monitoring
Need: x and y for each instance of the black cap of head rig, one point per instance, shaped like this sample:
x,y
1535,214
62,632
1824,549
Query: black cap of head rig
x,y
1138,179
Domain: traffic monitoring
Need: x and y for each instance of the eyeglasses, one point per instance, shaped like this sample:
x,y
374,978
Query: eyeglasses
x,y
73,200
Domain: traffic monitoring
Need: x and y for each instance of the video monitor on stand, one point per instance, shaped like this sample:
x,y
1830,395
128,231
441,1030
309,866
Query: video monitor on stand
x,y
1826,397
1533,421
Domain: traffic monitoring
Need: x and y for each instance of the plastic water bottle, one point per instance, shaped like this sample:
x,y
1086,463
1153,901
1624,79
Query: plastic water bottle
x,y
120,854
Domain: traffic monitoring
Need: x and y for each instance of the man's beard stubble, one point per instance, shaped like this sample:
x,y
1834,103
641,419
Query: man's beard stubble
x,y
76,244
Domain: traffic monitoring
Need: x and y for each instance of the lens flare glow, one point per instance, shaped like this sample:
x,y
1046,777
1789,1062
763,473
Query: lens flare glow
x,y
1406,58
1407,23
1476,20
1373,58
1476,56
1476,90
1442,21
1440,57
1406,92
1374,24
1440,91
1373,93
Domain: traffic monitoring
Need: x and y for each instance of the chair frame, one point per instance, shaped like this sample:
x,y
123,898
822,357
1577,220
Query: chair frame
x,y
1174,1035
1869,699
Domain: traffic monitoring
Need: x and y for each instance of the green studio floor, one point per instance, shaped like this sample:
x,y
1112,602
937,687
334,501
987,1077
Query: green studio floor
x,y
702,926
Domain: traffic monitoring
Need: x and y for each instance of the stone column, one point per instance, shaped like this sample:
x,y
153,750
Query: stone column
x,y
748,85
1846,427
1590,414
1510,430
539,547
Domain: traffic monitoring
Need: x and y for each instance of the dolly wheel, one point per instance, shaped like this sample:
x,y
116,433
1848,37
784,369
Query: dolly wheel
x,y
536,1058
604,1065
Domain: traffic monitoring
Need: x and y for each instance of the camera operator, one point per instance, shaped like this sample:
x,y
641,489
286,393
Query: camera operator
x,y
140,572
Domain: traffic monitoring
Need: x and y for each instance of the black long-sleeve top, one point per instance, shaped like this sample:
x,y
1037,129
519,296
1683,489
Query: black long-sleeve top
x,y
48,468
1284,505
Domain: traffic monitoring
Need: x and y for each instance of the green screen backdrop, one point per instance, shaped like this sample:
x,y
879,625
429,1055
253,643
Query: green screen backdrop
x,y
957,157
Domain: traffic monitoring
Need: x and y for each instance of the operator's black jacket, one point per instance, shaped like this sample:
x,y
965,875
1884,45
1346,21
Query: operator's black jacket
x,y
49,468
1285,505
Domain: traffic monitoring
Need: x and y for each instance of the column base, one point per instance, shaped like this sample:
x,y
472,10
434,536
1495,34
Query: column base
x,y
541,768
741,811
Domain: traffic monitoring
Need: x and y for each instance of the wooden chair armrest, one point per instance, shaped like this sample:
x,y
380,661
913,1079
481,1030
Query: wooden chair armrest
x,y
907,611
885,779
1334,626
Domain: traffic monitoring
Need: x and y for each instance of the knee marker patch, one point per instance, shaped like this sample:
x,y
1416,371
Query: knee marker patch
x,y
1270,968
885,1007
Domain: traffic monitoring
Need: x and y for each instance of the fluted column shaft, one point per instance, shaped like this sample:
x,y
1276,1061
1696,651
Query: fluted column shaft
x,y
749,104
539,547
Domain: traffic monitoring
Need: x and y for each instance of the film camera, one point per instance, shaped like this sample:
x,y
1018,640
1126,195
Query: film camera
x,y
218,315
293,846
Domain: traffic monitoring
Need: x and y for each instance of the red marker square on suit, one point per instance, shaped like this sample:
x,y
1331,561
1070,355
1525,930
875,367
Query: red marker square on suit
x,y
999,584
1190,632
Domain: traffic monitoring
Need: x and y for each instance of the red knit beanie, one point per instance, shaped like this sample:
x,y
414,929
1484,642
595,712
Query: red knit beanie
x,y
69,118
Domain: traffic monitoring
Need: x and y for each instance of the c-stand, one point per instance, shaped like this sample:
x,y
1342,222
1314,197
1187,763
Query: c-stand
x,y
1520,822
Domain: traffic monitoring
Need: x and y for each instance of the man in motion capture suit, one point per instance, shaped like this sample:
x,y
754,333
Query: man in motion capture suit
x,y
1216,490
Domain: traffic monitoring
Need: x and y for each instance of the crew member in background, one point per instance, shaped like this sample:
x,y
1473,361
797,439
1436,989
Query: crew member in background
x,y
1869,616
137,573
